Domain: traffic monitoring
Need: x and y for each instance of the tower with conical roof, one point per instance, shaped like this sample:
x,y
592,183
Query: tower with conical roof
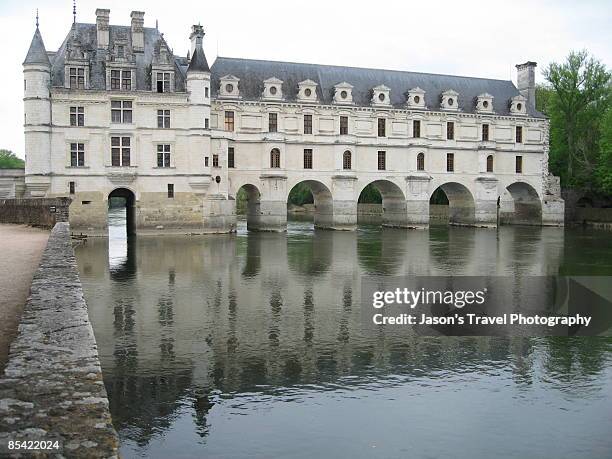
x,y
37,116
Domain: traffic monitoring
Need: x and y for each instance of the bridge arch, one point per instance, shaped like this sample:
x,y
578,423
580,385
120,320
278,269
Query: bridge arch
x,y
520,205
252,195
323,202
124,197
460,201
394,209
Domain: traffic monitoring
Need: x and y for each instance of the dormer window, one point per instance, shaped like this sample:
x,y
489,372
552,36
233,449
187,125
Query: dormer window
x,y
77,78
518,105
307,91
121,80
416,98
273,89
229,86
484,103
163,81
343,93
381,95
121,51
449,100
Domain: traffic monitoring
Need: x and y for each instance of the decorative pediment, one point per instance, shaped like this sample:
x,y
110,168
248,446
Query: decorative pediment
x,y
518,105
307,91
162,54
449,100
381,96
273,89
120,51
343,93
484,103
228,87
416,98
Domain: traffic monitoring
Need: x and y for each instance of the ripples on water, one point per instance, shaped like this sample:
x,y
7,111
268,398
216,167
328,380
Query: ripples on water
x,y
250,345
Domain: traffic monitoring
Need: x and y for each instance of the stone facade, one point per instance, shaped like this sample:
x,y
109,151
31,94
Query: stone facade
x,y
12,183
115,111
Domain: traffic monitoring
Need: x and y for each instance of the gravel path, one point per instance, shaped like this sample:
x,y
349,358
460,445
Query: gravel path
x,y
21,248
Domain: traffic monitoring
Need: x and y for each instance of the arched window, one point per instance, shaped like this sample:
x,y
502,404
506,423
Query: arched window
x,y
421,162
490,163
346,160
275,158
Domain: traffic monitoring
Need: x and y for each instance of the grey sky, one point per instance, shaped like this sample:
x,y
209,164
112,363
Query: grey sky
x,y
475,38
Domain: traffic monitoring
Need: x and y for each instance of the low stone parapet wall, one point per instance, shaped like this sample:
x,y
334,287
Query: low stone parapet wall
x,y
42,212
592,215
52,388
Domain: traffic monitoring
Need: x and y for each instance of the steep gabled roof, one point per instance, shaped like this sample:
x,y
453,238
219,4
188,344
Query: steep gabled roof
x,y
37,54
252,74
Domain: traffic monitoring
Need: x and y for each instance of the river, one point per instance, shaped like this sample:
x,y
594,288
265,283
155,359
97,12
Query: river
x,y
250,346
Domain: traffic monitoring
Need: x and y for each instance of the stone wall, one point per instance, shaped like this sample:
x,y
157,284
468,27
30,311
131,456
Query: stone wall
x,y
592,215
12,183
52,388
44,213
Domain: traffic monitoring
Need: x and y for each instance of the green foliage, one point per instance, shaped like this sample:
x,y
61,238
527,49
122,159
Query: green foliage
x,y
604,167
576,99
300,195
439,197
370,195
8,160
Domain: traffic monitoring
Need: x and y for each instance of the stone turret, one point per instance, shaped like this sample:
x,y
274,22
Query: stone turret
x,y
37,116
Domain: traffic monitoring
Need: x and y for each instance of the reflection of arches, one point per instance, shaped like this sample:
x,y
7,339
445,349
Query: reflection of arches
x,y
524,206
311,256
461,205
130,207
394,211
323,203
383,254
253,204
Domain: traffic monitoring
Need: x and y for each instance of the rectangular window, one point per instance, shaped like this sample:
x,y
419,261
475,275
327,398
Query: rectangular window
x,y
272,122
215,160
416,129
485,132
307,158
206,92
519,164
120,151
344,125
307,124
171,190
450,130
230,157
519,134
450,162
163,81
72,187
163,156
115,79
163,119
206,161
121,111
382,160
126,80
77,155
206,123
229,121
77,116
382,127
77,78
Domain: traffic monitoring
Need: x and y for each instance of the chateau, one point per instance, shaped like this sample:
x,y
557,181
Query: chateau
x,y
114,112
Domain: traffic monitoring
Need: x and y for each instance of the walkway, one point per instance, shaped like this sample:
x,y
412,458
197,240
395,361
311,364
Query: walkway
x,y
21,248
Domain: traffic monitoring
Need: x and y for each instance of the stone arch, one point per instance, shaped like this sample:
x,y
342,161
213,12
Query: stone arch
x,y
461,203
394,210
323,202
130,207
253,205
524,206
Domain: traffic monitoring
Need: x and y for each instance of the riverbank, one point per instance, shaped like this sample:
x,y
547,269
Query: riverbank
x,y
52,389
21,248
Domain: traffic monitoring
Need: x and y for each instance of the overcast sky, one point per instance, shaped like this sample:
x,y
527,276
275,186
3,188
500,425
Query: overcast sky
x,y
484,38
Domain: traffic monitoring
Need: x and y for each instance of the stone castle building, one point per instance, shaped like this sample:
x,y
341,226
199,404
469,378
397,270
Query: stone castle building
x,y
114,112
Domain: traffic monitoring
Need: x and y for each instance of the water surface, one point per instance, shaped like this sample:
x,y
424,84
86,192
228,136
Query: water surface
x,y
251,345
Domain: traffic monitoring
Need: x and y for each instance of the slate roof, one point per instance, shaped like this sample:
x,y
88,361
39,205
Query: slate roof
x,y
198,61
87,35
252,74
37,54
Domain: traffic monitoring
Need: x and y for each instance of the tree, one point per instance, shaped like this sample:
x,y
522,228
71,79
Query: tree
x,y
604,168
8,160
580,96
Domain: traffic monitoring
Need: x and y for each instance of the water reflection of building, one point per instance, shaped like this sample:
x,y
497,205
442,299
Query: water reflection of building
x,y
186,316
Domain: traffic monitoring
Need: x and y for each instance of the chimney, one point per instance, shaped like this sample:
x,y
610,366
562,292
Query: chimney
x,y
197,34
525,81
137,31
102,26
